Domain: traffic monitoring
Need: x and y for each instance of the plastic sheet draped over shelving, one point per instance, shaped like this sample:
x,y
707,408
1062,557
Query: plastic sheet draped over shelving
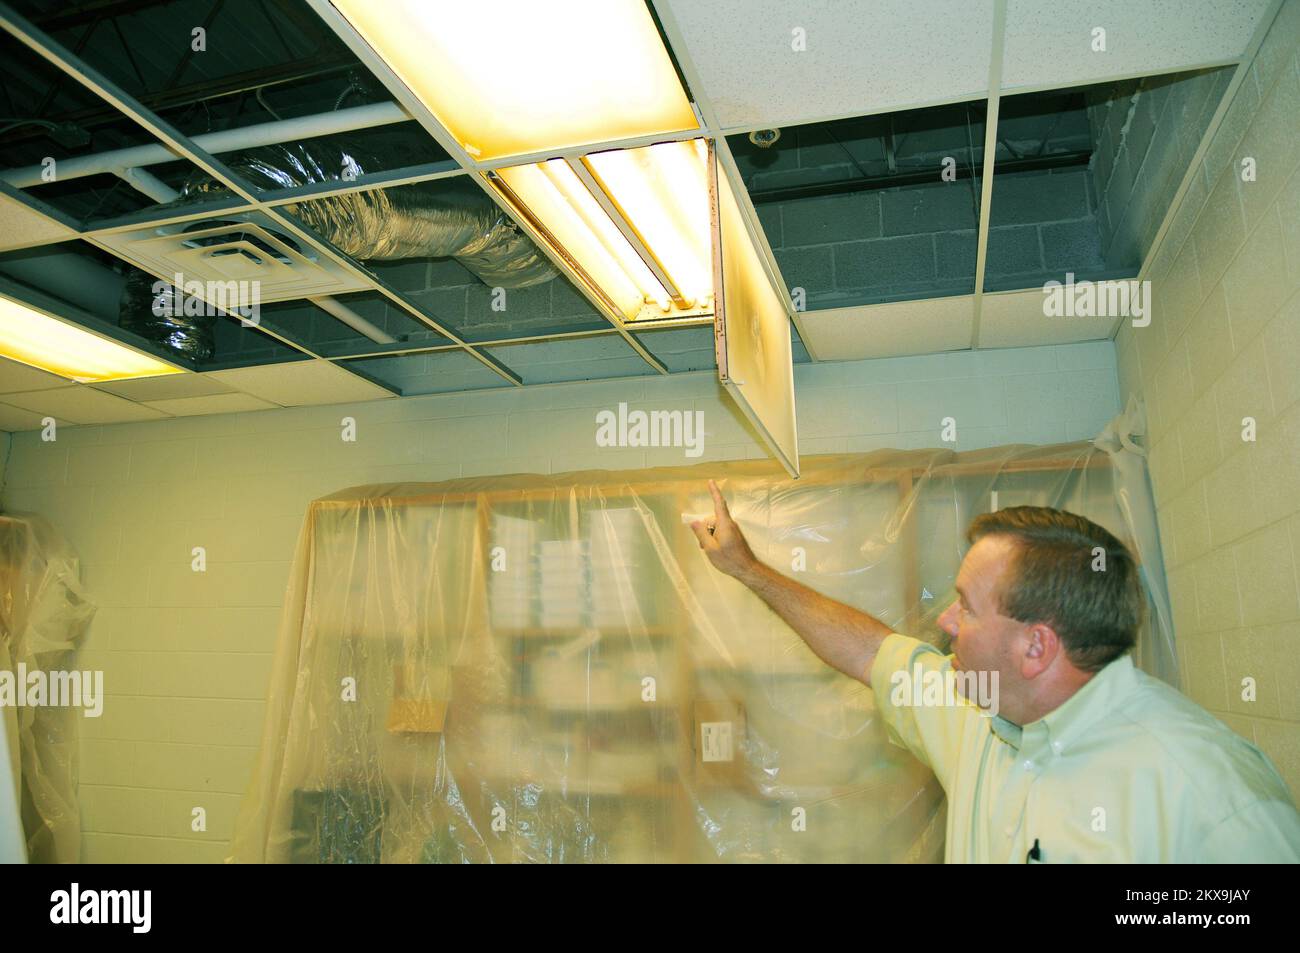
x,y
44,615
547,669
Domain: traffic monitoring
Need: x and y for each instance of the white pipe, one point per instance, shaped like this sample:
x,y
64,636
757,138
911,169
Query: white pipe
x,y
353,320
249,137
147,183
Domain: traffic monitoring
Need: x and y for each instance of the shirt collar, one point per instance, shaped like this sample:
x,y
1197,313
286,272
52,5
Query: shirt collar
x,y
1064,725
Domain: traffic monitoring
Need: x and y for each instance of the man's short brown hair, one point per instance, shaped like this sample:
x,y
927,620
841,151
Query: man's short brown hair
x,y
1052,580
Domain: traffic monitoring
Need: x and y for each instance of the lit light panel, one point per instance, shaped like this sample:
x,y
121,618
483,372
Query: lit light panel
x,y
513,77
660,193
37,340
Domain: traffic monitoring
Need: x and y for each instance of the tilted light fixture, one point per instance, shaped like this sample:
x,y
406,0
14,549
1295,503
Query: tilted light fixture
x,y
633,223
38,340
517,77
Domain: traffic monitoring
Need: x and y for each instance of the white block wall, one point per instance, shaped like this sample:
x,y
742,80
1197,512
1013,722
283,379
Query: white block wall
x,y
1224,345
187,656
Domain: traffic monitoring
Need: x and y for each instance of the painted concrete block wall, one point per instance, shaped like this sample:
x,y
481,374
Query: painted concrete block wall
x,y
1145,137
1224,345
187,656
920,240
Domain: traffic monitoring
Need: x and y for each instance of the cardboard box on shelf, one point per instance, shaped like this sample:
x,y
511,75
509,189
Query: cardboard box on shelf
x,y
718,738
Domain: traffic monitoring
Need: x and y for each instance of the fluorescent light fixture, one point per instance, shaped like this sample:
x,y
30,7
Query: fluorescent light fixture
x,y
40,341
662,191
633,223
514,77
556,199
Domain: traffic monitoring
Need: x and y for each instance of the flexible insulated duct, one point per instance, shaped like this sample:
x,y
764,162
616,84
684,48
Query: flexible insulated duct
x,y
427,220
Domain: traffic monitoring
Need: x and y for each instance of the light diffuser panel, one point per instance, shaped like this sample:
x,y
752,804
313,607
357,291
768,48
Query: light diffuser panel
x,y
38,340
513,77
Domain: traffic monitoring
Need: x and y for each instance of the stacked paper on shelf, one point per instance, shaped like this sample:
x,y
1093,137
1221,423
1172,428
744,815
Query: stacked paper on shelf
x,y
576,682
564,583
512,579
620,556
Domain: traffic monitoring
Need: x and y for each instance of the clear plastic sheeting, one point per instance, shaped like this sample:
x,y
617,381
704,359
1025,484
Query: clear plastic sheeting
x,y
44,615
547,668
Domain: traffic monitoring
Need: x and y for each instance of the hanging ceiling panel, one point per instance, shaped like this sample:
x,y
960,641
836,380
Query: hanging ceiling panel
x,y
879,248
752,328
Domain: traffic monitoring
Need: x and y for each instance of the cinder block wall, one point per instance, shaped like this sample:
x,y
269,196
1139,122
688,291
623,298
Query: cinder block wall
x,y
918,241
186,656
1144,139
1224,345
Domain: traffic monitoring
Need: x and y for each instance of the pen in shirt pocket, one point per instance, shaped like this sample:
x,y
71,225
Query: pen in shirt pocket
x,y
1035,856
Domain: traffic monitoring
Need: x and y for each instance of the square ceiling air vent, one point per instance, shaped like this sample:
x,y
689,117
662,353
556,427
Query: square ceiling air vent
x,y
248,247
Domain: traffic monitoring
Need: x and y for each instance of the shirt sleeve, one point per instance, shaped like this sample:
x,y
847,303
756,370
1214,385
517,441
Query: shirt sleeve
x,y
931,732
1266,832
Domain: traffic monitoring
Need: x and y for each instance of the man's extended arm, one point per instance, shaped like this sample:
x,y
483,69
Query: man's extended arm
x,y
843,637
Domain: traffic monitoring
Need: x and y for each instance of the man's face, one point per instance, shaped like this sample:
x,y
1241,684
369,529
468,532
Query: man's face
x,y
983,639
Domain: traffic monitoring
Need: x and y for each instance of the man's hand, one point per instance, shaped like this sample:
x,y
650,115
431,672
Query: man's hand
x,y
843,637
722,540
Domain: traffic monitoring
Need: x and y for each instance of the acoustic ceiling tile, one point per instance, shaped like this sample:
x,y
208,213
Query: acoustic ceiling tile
x,y
1018,320
893,329
16,376
300,383
1052,44
80,404
783,62
211,404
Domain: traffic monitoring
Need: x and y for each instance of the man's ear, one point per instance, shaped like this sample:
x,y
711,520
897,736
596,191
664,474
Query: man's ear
x,y
1042,647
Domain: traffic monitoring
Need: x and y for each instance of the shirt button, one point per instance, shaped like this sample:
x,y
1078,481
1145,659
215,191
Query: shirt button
x,y
1029,765
1057,747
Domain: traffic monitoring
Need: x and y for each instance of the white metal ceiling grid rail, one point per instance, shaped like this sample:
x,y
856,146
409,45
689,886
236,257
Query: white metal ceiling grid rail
x,y
712,128
974,96
421,113
465,164
998,39
588,180
669,324
552,252
53,53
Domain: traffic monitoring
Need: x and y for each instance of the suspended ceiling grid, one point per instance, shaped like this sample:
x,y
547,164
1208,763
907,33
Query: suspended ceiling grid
x,y
729,73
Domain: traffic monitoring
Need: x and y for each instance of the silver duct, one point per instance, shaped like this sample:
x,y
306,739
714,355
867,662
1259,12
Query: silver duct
x,y
446,219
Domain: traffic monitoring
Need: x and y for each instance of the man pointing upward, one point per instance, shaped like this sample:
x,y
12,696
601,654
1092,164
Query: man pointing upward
x,y
1087,759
